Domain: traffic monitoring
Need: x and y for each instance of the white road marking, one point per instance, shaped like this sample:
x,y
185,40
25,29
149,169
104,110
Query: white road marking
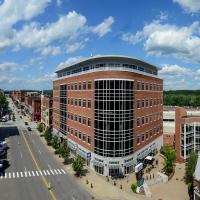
x,y
44,172
48,172
17,175
13,174
5,175
55,171
59,171
9,175
64,172
21,174
52,171
33,173
21,154
41,173
25,173
37,173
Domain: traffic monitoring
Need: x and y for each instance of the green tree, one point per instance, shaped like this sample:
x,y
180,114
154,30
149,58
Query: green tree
x,y
64,151
3,105
170,158
190,167
40,128
134,187
77,165
48,136
54,142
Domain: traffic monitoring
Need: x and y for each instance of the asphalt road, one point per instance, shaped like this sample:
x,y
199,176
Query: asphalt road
x,y
33,170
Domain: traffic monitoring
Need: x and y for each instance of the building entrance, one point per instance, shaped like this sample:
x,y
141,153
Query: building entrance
x,y
114,172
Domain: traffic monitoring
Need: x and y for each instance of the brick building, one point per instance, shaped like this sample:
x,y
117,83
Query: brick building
x,y
109,108
18,95
46,111
36,109
187,136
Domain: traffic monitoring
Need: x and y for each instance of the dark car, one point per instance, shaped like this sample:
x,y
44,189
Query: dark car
x,y
4,164
26,123
29,129
2,152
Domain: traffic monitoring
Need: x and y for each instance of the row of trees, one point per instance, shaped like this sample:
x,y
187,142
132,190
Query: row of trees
x,y
3,105
63,150
182,98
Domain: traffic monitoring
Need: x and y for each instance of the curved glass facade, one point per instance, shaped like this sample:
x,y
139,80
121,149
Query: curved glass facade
x,y
114,118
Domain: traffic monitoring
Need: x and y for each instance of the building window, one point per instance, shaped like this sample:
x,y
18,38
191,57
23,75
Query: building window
x,y
79,135
76,133
146,120
76,102
151,86
138,139
84,137
79,119
147,135
151,102
89,85
72,86
143,137
68,101
84,103
72,131
142,120
84,120
154,88
142,103
138,121
89,103
147,86
138,85
89,140
72,101
150,133
75,118
79,102
68,87
138,103
72,116
84,85
147,102
89,122
75,86
150,118
142,86
79,86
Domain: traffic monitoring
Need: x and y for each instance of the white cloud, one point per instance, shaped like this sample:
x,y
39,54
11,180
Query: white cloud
x,y
70,48
169,40
163,15
50,50
70,61
8,67
190,6
104,27
174,70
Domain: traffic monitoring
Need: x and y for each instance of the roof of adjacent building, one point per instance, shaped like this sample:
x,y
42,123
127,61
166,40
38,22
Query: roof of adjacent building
x,y
107,58
197,170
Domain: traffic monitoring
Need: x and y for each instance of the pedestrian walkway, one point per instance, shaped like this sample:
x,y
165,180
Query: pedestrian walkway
x,y
27,174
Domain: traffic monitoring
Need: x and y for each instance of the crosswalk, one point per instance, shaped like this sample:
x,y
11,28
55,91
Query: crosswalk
x,y
30,173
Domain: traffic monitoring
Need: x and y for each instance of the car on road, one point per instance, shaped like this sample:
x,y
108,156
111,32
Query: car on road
x,y
29,129
3,145
4,164
2,152
26,123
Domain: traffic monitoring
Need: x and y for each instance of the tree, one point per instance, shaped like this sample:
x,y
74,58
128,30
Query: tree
x,y
48,136
78,165
3,104
54,142
40,128
170,158
64,151
190,167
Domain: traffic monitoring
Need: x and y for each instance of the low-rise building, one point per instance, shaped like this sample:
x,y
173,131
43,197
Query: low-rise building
x,y
187,133
18,95
46,111
36,109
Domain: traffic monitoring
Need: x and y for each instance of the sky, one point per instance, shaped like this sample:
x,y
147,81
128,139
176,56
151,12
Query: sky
x,y
39,36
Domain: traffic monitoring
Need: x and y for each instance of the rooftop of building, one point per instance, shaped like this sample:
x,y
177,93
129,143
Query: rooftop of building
x,y
108,58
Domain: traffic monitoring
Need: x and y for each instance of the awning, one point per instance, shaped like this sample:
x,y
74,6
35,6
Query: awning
x,y
114,166
131,163
96,163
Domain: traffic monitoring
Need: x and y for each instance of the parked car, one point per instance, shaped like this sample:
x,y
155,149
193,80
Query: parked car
x,y
29,129
26,123
2,152
4,164
3,145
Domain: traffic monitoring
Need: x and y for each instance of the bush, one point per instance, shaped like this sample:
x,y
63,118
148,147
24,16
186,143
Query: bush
x,y
134,187
40,128
48,136
78,165
64,151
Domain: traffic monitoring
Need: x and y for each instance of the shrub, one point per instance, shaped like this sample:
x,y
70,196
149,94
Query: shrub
x,y
134,187
40,128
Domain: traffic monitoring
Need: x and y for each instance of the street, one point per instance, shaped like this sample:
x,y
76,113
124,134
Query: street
x,y
33,172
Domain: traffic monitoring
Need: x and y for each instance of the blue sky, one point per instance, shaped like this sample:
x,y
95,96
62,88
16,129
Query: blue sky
x,y
36,37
